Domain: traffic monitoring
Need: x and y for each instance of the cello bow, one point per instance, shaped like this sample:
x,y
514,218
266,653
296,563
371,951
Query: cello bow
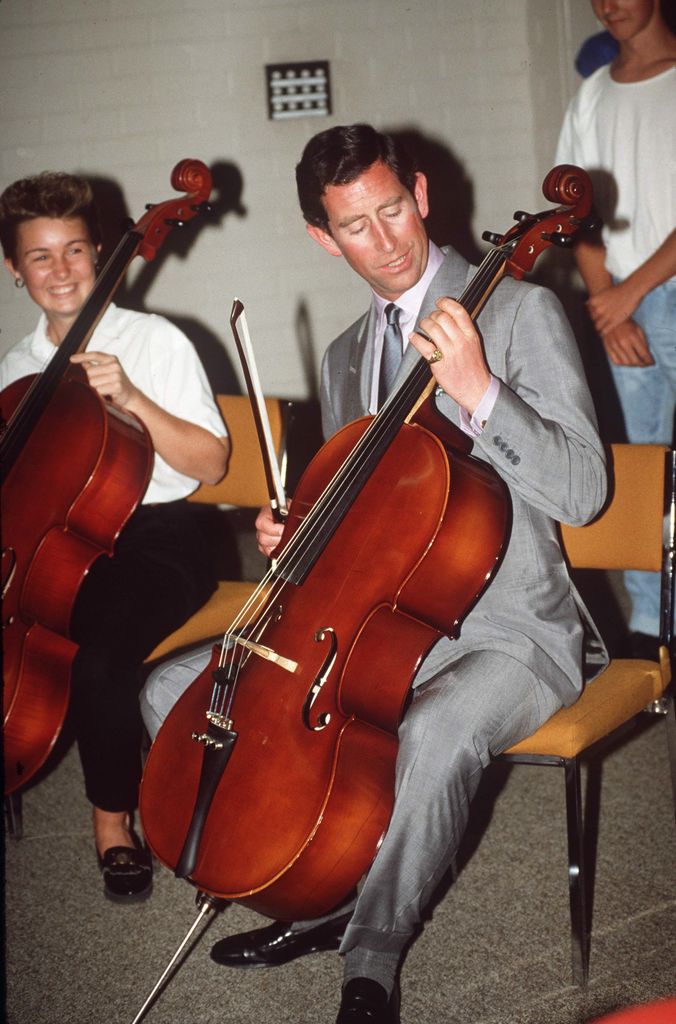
x,y
248,361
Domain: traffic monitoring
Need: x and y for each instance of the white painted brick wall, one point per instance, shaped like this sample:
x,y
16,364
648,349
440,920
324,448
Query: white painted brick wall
x,y
123,89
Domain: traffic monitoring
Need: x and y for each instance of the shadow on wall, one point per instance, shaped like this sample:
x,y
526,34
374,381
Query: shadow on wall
x,y
451,196
306,350
304,430
451,193
115,220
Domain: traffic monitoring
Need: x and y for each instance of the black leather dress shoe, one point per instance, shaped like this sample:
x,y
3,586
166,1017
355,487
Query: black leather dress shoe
x,y
276,944
127,874
366,1002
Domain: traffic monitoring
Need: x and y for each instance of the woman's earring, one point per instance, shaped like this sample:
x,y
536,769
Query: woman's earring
x,y
19,282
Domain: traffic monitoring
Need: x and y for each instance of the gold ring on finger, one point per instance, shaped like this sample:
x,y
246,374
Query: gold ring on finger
x,y
436,356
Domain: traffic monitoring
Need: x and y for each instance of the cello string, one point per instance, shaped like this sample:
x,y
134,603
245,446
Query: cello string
x,y
371,440
296,550
369,443
233,653
229,647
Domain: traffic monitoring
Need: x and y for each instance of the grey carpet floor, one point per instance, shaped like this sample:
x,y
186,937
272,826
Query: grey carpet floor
x,y
495,949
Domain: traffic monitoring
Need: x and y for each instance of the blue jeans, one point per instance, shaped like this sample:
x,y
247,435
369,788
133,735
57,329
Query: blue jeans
x,y
648,398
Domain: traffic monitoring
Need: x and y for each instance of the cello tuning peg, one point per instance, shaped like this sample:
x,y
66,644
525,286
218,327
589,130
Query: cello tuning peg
x,y
149,206
175,223
591,222
202,208
492,237
521,216
556,238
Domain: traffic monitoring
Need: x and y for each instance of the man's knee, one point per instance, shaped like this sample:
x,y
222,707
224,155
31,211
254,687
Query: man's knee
x,y
167,683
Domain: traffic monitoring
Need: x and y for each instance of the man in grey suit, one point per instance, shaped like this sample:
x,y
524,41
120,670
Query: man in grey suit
x,y
517,389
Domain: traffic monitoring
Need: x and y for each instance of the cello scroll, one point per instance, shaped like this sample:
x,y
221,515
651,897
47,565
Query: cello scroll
x,y
190,176
567,185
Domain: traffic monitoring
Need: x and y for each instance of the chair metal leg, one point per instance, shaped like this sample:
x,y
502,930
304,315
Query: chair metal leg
x,y
670,725
577,882
14,816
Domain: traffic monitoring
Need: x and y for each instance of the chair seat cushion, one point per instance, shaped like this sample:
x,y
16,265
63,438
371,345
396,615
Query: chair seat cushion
x,y
212,619
614,697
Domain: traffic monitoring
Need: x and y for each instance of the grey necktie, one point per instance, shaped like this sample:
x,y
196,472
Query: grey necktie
x,y
392,352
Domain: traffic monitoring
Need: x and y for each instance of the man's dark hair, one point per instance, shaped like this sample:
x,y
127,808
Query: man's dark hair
x,y
50,194
338,156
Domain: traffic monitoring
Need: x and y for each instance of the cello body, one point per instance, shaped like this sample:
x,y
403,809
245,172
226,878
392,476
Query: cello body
x,y
74,468
393,534
55,523
296,848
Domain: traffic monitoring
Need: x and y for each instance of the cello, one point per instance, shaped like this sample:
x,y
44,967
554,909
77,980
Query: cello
x,y
280,757
57,521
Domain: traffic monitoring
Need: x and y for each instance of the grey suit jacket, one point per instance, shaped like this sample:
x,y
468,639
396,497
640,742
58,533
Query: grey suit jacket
x,y
542,439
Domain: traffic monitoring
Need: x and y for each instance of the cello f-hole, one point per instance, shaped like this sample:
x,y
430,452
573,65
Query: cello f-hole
x,y
314,691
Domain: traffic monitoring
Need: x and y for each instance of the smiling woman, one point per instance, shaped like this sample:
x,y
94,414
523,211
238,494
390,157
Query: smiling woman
x,y
56,260
160,572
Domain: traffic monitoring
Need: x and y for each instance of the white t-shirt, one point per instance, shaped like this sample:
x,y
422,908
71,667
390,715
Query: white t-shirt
x,y
623,133
157,358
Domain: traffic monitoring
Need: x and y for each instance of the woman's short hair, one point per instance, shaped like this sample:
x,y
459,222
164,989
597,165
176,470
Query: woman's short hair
x,y
338,156
50,194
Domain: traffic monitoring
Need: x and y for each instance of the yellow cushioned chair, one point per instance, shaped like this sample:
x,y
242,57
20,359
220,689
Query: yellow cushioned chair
x,y
244,486
636,531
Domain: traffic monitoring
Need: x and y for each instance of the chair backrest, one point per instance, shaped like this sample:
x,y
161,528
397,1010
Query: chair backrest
x,y
629,532
245,484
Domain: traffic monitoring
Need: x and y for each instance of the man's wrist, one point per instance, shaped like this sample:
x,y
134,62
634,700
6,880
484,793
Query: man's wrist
x,y
474,424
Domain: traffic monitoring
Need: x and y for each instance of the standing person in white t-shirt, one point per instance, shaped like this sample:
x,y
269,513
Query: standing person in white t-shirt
x,y
160,573
620,127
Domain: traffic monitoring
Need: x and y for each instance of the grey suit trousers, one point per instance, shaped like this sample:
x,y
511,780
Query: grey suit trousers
x,y
459,718
461,715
